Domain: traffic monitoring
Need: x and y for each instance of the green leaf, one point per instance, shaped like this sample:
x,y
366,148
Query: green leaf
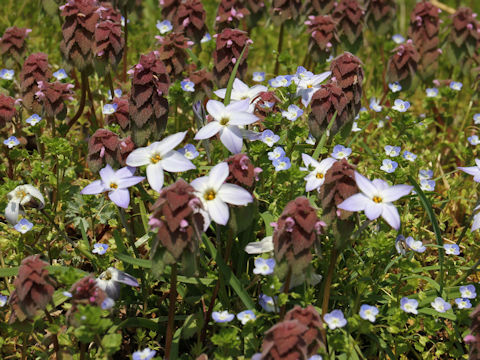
x,y
7,272
446,315
268,219
146,264
228,93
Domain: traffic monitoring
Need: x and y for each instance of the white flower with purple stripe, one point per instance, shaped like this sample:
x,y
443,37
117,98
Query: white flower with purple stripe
x,y
431,92
145,354
395,87
277,153
473,170
407,155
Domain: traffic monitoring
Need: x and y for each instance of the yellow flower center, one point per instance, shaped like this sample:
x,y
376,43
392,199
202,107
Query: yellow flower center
x,y
113,185
224,121
319,176
209,195
21,194
107,276
377,199
155,158
309,86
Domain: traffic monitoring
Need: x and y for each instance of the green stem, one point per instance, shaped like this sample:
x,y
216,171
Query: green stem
x,y
286,288
171,311
81,107
279,49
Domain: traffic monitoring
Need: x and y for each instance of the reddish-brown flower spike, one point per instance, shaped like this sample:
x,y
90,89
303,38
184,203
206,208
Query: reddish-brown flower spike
x,y
176,216
85,292
78,30
109,42
380,15
102,148
348,72
148,105
323,37
322,7
7,110
402,65
229,46
172,53
327,100
312,320
169,8
350,16
256,8
33,288
463,38
190,19
107,12
35,69
52,96
125,147
229,14
202,79
266,103
285,341
120,116
12,43
295,234
241,171
283,10
423,30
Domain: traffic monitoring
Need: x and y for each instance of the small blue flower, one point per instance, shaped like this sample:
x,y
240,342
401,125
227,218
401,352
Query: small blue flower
x,y
34,119
476,119
188,85
108,303
11,142
222,316
401,105
258,76
463,303
401,245
398,39
355,127
303,73
425,174
246,316
282,163
292,113
116,93
335,319
431,92
451,249
280,81
409,305
23,226
164,26
7,74
341,152
473,140
145,354
407,155
375,105
267,303
315,357
206,38
100,249
368,312
416,246
60,74
264,266
455,85
427,185
269,138
3,300
389,166
395,87
189,151
67,294
468,292
392,151
440,305
310,140
109,109
277,153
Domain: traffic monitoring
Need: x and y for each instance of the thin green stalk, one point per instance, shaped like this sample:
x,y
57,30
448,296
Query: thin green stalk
x,y
131,235
171,311
81,107
279,49
286,288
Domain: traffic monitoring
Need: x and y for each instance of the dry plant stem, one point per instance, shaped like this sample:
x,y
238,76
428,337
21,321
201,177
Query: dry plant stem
x,y
279,49
55,338
110,85
92,106
81,107
171,311
326,288
286,288
443,7
125,50
24,346
82,350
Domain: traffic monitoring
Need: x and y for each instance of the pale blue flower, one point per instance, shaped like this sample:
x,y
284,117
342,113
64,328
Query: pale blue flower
x,y
280,81
264,266
303,73
451,249
109,109
335,319
277,153
368,312
425,174
116,93
11,142
246,316
389,166
355,127
427,185
431,92
409,305
310,140
473,140
188,85
476,119
67,294
392,151
258,76
164,26
292,113
60,74
267,303
463,303
7,74
100,249
189,151
34,119
401,245
222,316
206,38
23,226
398,39
473,170
341,152
315,357
282,163
375,105
416,246
401,105
455,85
440,305
108,303
468,292
395,87
407,155
145,354
3,300
269,138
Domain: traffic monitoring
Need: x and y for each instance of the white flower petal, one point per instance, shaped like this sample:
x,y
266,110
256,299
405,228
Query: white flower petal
x,y
96,187
365,185
242,118
313,182
373,210
176,162
32,190
218,211
121,197
259,247
234,194
231,137
215,108
395,192
12,211
220,93
356,202
107,174
139,157
218,175
391,216
170,143
200,184
209,130
155,176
